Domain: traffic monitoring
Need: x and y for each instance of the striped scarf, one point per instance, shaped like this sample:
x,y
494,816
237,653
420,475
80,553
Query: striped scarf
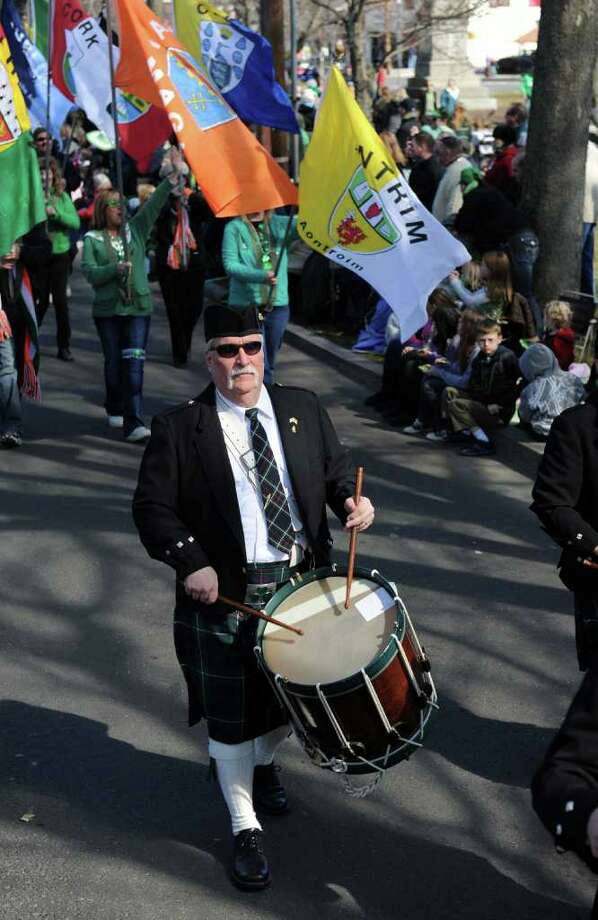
x,y
184,242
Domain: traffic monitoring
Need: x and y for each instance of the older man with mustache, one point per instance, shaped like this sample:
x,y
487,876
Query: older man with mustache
x,y
232,494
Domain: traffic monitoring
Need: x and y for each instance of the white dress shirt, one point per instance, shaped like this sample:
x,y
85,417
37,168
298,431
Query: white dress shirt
x,y
235,427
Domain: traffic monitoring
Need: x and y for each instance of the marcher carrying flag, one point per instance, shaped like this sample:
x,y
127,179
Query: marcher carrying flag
x,y
22,203
357,210
238,62
236,174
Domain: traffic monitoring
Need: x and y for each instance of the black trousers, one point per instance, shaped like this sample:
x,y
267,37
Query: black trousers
x,y
430,401
183,297
586,627
54,282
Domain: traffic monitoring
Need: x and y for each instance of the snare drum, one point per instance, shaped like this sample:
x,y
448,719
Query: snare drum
x,y
357,685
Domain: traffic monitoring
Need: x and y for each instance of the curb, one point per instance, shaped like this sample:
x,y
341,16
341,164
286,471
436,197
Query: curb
x,y
515,450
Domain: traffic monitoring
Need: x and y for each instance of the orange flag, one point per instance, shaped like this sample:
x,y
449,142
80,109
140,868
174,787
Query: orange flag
x,y
236,174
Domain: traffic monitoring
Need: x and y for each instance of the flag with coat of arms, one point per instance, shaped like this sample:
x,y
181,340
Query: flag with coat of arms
x,y
32,71
239,63
80,69
357,209
236,174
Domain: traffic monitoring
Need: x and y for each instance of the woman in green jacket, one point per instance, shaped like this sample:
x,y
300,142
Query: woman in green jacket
x,y
122,304
250,249
53,277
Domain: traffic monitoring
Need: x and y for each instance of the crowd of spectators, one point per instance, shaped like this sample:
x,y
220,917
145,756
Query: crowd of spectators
x,y
505,351
456,380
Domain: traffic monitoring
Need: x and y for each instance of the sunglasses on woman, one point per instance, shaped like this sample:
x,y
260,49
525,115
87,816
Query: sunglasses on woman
x,y
231,351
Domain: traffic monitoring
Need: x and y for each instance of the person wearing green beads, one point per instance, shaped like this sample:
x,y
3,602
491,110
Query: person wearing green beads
x,y
114,264
53,278
251,247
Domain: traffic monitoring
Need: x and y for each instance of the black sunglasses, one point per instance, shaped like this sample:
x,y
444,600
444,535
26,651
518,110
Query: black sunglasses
x,y
231,351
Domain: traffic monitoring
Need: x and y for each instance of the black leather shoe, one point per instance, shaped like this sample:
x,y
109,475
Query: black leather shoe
x,y
64,354
250,868
268,792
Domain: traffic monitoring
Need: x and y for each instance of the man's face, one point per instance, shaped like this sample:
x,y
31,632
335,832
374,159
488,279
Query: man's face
x,y
41,142
489,342
445,155
239,376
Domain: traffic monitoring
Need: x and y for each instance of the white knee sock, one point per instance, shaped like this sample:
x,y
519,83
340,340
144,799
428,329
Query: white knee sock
x,y
267,745
235,764
480,435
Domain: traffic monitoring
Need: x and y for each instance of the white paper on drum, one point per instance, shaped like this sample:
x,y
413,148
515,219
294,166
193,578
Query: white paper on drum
x,y
373,605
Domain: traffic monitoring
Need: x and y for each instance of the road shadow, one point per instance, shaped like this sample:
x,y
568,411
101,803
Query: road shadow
x,y
510,751
328,859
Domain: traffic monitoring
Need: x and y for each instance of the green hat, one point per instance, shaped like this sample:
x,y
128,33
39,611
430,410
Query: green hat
x,y
470,178
99,140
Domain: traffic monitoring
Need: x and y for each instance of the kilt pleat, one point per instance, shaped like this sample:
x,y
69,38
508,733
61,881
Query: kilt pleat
x,y
225,684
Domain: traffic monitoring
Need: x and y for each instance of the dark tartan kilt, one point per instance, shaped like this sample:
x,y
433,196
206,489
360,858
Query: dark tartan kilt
x,y
224,682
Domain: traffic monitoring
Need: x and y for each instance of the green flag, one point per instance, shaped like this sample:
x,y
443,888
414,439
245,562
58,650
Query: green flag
x,y
39,25
22,204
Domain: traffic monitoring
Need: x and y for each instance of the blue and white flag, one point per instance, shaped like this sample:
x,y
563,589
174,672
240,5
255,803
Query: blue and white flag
x,y
32,71
238,62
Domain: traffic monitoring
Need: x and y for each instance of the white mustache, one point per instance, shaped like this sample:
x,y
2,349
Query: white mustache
x,y
238,372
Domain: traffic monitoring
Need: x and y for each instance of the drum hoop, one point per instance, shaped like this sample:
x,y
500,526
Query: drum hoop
x,y
381,659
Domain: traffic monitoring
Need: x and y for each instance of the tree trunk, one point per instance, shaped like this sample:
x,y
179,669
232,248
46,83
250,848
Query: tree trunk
x,y
272,27
355,42
553,187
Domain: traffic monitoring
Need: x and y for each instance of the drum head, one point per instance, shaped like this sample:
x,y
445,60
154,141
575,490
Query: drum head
x,y
336,643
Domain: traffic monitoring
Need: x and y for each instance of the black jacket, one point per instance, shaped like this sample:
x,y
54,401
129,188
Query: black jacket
x,y
565,493
424,179
494,380
185,506
488,218
565,788
164,229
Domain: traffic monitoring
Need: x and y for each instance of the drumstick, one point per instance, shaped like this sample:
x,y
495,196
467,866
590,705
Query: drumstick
x,y
353,540
257,613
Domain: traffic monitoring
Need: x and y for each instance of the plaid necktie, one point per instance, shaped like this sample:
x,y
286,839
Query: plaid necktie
x,y
276,507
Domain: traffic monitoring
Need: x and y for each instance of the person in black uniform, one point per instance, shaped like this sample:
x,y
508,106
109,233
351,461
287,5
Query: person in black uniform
x,y
565,498
565,787
232,494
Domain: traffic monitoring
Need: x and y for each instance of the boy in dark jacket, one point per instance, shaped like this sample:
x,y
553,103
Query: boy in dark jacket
x,y
489,400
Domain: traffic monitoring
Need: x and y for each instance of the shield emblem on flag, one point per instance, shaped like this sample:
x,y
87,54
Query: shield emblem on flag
x,y
10,128
207,108
360,222
225,53
129,107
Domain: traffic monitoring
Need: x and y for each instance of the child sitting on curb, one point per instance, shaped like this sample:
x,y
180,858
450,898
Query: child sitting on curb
x,y
559,335
549,390
489,400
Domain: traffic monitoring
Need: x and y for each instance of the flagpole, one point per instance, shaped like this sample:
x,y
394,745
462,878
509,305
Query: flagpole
x,y
293,38
287,232
50,28
119,168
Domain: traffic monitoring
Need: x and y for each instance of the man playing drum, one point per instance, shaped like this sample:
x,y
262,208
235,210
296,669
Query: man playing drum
x,y
232,494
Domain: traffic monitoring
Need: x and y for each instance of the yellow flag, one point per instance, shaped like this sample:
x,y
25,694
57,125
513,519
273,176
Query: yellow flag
x,y
356,208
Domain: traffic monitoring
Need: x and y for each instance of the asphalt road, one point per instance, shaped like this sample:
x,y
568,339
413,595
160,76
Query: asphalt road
x,y
93,741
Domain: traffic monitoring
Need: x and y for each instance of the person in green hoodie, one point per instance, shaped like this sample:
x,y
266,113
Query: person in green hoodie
x,y
251,246
114,264
53,280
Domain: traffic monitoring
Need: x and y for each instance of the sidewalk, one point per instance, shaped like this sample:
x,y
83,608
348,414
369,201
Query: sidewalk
x,y
515,449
